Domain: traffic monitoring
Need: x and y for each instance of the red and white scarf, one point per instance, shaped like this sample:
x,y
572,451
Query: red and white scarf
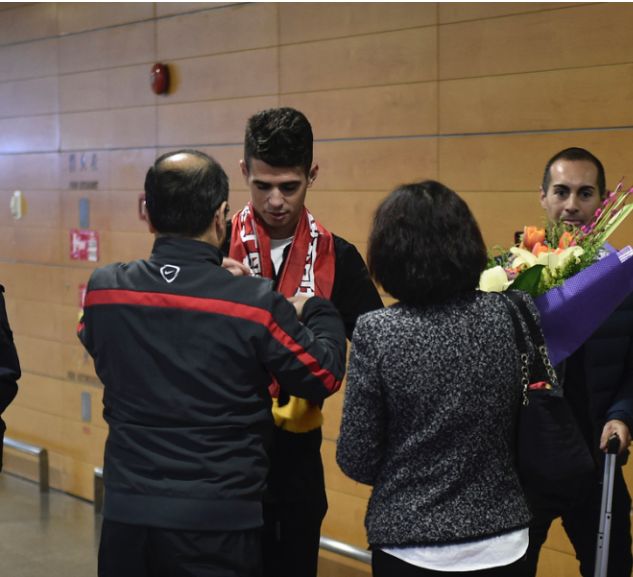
x,y
309,268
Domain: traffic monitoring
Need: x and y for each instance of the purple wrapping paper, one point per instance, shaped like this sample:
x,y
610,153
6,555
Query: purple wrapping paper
x,y
572,312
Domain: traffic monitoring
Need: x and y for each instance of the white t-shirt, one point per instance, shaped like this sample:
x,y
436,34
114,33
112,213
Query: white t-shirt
x,y
277,246
474,556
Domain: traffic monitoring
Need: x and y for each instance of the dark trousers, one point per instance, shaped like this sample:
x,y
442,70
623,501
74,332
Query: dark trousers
x,y
290,539
581,523
386,565
134,551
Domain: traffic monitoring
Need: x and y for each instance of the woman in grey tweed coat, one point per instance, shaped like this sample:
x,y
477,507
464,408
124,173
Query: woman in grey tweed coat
x,y
433,389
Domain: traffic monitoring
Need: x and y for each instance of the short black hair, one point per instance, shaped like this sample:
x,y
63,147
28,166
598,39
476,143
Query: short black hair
x,y
576,154
280,137
425,246
183,202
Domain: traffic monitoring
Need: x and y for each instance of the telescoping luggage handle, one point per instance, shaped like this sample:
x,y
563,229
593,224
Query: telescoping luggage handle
x,y
604,532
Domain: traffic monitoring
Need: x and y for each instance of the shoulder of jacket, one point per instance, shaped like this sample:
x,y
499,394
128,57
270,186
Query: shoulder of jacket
x,y
104,274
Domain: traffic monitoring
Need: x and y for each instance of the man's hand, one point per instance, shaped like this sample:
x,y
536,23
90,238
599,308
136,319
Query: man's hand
x,y
298,302
235,267
621,430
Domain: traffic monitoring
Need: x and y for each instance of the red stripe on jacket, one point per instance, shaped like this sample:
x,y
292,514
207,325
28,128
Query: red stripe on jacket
x,y
228,308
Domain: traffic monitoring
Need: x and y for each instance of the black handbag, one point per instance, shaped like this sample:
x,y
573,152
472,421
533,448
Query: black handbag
x,y
554,463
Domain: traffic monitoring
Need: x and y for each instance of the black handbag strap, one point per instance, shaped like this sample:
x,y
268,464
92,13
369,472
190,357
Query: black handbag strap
x,y
536,336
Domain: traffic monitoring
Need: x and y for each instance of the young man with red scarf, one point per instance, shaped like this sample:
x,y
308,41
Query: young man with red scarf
x,y
276,237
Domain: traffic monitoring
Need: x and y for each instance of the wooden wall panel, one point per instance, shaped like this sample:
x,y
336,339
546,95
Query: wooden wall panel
x,y
118,46
133,127
99,201
376,59
30,60
77,364
375,164
172,8
350,213
537,101
82,16
35,427
505,162
309,21
113,88
28,97
345,519
129,167
26,281
383,111
460,11
40,393
496,46
26,23
71,406
204,123
85,130
38,245
334,477
29,171
226,76
500,215
556,564
129,246
244,27
29,134
129,86
35,319
40,356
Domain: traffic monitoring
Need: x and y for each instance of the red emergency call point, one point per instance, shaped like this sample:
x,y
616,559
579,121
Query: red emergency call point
x,y
159,78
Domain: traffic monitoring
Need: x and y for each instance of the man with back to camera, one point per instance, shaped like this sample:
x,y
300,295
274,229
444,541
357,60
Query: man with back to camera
x,y
278,238
186,351
597,380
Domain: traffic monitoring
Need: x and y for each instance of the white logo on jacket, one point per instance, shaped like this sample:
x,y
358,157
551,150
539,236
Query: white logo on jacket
x,y
169,272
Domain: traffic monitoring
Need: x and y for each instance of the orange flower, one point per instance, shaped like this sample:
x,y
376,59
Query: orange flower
x,y
566,240
539,248
533,235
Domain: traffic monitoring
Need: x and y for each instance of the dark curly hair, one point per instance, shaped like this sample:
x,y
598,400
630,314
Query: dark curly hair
x,y
280,137
425,246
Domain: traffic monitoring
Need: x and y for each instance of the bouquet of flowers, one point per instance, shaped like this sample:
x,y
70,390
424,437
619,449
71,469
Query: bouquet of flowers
x,y
576,278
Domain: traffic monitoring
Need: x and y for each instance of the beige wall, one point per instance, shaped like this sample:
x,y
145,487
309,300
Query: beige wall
x,y
477,95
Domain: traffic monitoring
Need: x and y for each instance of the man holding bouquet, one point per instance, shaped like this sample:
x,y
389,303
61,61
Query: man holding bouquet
x,y
597,379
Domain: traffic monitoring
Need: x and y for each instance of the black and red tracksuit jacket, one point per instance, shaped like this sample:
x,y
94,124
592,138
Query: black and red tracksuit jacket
x,y
186,351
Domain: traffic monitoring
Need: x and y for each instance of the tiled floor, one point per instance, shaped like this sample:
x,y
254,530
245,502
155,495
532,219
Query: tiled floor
x,y
48,535
57,535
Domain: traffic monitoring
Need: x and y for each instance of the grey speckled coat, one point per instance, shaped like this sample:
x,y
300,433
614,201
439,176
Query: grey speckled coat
x,y
429,417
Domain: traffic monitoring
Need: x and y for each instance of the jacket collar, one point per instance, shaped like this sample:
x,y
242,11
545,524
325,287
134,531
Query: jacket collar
x,y
185,250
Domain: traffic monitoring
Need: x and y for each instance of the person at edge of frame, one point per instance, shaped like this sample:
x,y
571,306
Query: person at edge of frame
x,y
186,352
9,367
598,383
278,238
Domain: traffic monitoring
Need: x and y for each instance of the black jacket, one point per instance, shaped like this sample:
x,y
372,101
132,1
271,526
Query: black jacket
x,y
599,377
185,351
296,469
9,366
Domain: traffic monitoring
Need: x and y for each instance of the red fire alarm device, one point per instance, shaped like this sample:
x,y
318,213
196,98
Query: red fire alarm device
x,y
159,78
